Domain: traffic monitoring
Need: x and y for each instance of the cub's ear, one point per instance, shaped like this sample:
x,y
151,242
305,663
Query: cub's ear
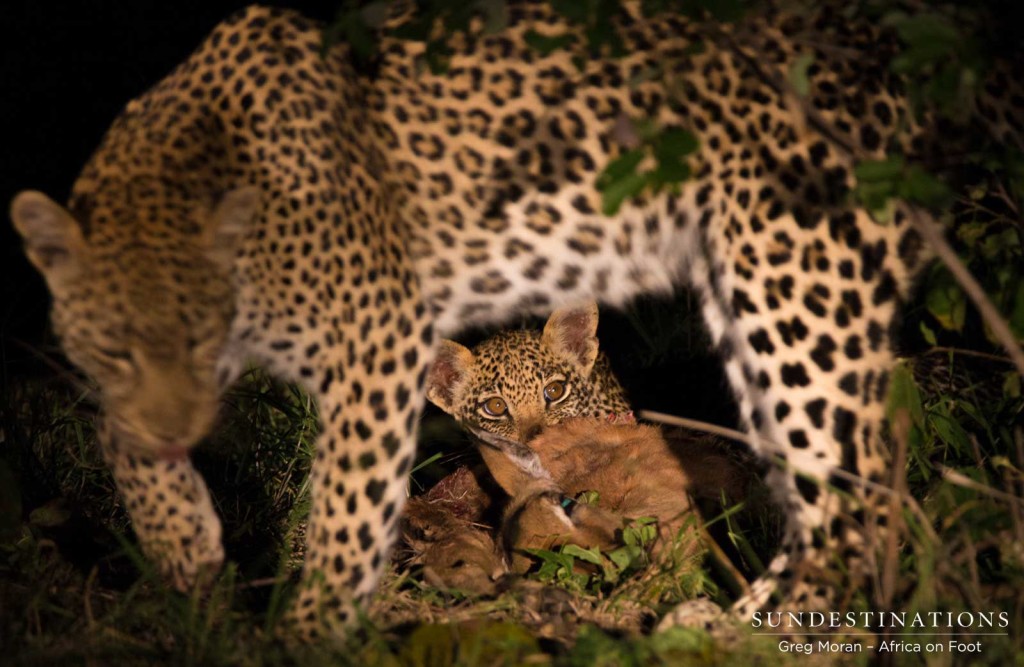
x,y
448,374
571,333
232,219
53,239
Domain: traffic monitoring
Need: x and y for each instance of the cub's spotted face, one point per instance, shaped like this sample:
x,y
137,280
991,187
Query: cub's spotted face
x,y
517,382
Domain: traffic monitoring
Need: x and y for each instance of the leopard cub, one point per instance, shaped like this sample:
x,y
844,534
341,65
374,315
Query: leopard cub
x,y
517,382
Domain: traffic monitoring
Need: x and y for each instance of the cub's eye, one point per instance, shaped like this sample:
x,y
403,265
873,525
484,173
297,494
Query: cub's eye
x,y
495,407
554,391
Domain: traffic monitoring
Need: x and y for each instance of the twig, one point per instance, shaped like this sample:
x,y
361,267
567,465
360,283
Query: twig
x,y
1016,484
1000,329
260,583
1005,196
967,353
724,562
697,425
976,206
900,427
958,479
750,440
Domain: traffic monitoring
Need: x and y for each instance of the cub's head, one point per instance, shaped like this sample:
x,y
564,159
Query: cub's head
x,y
517,382
142,302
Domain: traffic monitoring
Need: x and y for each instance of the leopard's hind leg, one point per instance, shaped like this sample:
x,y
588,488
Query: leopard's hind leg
x,y
803,326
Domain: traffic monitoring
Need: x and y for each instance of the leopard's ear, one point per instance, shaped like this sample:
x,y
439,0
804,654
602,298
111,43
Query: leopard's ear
x,y
53,239
233,217
571,333
448,374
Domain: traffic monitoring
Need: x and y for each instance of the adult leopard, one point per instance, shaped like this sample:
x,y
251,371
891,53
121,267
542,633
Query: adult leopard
x,y
268,203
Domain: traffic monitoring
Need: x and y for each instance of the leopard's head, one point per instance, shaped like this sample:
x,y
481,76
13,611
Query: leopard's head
x,y
142,302
517,382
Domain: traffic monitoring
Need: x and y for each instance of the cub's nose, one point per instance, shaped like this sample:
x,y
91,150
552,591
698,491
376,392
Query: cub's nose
x,y
530,431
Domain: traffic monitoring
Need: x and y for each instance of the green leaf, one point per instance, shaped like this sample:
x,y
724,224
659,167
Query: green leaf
x,y
948,430
903,395
575,11
625,557
994,246
671,172
798,74
926,30
350,27
1011,385
620,190
545,44
947,304
945,90
437,54
619,168
676,142
877,199
619,180
875,171
603,33
670,147
640,532
413,31
586,555
928,334
971,233
923,188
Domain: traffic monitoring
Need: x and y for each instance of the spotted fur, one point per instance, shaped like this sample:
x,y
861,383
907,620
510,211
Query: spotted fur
x,y
516,382
268,203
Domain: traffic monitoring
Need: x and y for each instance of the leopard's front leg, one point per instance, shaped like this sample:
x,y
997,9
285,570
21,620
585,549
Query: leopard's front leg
x,y
170,510
369,406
